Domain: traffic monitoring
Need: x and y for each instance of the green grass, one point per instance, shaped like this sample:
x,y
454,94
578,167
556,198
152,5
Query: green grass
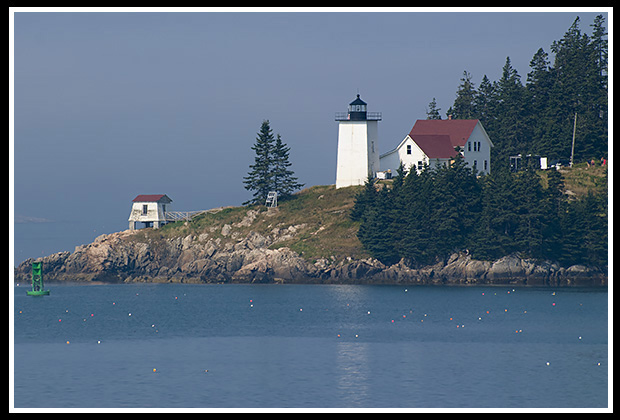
x,y
581,179
320,215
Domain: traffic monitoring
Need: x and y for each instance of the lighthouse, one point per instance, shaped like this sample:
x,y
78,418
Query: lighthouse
x,y
358,147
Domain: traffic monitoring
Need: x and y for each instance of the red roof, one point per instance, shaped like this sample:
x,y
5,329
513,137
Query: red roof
x,y
435,145
458,130
152,198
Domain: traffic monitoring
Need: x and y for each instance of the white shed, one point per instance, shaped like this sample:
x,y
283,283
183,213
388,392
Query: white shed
x,y
149,209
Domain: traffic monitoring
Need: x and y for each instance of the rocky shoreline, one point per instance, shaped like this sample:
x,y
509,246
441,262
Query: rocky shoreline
x,y
231,257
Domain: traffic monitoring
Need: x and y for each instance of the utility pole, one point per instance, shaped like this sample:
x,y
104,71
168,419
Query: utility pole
x,y
572,150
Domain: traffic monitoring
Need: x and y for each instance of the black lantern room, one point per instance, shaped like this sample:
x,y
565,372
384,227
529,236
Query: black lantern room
x,y
357,109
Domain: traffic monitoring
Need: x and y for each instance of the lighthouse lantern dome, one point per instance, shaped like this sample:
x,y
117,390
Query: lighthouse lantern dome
x,y
357,109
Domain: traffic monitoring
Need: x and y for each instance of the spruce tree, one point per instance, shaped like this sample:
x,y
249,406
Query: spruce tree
x,y
539,83
364,200
485,103
464,104
432,113
530,213
270,171
260,177
498,220
512,125
284,181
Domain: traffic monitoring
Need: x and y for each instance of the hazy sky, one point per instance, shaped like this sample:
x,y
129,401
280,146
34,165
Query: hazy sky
x,y
111,105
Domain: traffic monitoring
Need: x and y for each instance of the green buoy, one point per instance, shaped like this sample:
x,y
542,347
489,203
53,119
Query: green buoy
x,y
37,281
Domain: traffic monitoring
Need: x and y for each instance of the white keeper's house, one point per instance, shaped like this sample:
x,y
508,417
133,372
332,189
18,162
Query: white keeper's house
x,y
434,142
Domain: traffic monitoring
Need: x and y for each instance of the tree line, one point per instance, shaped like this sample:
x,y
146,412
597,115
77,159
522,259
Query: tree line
x,y
538,117
426,217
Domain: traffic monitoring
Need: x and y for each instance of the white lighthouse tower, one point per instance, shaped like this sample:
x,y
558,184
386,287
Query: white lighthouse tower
x,y
358,147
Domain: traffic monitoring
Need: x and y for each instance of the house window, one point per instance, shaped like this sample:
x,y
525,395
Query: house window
x,y
486,165
145,209
408,149
420,165
475,163
469,146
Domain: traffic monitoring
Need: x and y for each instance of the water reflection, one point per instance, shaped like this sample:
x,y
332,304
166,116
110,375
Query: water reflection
x,y
352,372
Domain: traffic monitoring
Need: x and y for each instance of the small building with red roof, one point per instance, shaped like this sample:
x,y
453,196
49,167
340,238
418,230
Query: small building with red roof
x,y
150,209
436,142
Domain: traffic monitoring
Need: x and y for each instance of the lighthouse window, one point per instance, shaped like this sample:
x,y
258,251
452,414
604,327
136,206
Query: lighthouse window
x,y
363,108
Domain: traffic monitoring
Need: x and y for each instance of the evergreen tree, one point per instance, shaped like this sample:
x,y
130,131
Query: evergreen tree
x,y
511,122
376,233
498,220
416,241
599,49
284,181
260,177
554,200
580,87
270,169
597,114
457,206
464,104
595,233
539,84
364,200
530,212
485,103
584,232
432,113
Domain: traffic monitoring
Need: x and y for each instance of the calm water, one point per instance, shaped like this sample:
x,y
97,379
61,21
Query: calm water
x,y
310,346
